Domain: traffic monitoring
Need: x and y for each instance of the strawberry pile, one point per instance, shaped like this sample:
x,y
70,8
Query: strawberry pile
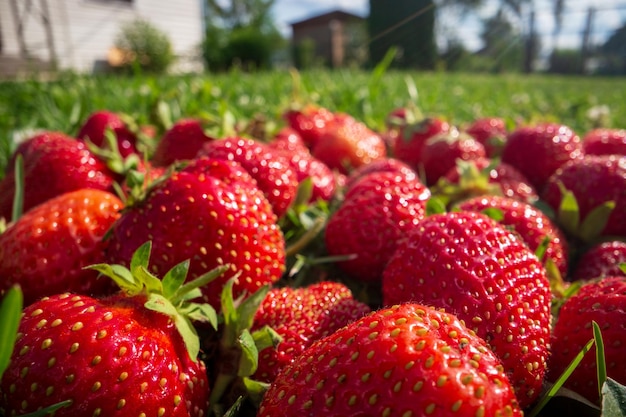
x,y
313,266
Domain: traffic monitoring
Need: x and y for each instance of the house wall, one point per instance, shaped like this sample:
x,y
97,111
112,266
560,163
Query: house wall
x,y
320,33
83,31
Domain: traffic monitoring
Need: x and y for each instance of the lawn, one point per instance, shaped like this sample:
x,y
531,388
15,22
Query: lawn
x,y
580,102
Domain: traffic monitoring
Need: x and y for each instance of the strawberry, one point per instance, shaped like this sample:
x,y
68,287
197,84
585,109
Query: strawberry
x,y
130,354
477,177
289,143
97,123
440,153
213,213
378,210
54,163
271,170
412,136
537,151
605,141
383,164
46,249
408,360
602,301
491,132
532,225
475,268
347,143
181,141
593,180
310,122
601,260
301,316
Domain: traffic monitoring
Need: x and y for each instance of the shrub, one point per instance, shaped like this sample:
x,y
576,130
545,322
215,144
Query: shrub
x,y
147,48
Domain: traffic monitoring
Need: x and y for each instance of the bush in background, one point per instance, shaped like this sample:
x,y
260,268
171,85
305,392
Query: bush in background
x,y
146,47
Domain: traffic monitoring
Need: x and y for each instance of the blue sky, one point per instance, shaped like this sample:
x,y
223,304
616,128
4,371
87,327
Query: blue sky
x,y
610,14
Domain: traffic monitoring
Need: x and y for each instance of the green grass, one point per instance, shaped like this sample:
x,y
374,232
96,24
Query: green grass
x,y
64,103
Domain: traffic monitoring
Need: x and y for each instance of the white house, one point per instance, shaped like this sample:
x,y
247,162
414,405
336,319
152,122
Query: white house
x,y
79,34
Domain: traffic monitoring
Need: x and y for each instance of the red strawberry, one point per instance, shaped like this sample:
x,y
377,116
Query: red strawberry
x,y
310,122
605,141
213,213
290,144
347,143
46,249
116,356
302,316
491,132
475,268
537,151
440,153
477,177
54,163
601,260
180,142
530,223
593,180
271,170
95,126
378,210
383,164
409,360
604,302
412,137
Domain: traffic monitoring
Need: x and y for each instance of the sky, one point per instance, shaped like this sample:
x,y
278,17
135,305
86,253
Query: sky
x,y
609,15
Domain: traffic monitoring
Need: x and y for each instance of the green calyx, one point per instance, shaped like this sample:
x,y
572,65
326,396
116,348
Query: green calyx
x,y
170,295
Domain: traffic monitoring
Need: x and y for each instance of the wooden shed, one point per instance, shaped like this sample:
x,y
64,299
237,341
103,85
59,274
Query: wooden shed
x,y
333,35
79,34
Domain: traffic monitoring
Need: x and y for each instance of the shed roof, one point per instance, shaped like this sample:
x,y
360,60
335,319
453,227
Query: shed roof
x,y
326,17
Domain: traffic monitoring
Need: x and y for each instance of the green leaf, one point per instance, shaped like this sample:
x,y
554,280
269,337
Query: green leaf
x,y
10,316
121,275
568,213
435,205
561,379
201,312
18,197
266,337
49,411
540,252
249,307
233,411
594,223
174,278
157,302
622,267
151,282
188,291
189,334
600,358
141,256
229,312
494,213
613,399
249,359
255,389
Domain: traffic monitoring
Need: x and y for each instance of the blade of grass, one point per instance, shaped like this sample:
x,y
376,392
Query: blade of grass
x,y
600,358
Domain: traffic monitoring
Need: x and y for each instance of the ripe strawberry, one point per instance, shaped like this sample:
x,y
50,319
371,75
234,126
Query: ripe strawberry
x,y
347,143
412,137
594,180
531,224
491,132
129,354
97,123
440,153
377,212
180,142
271,170
605,141
475,268
409,360
601,260
537,151
54,163
213,213
310,122
46,249
302,316
289,143
384,164
476,177
602,301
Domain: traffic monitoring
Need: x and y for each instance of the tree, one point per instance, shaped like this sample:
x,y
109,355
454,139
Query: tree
x,y
409,26
502,43
240,32
614,52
